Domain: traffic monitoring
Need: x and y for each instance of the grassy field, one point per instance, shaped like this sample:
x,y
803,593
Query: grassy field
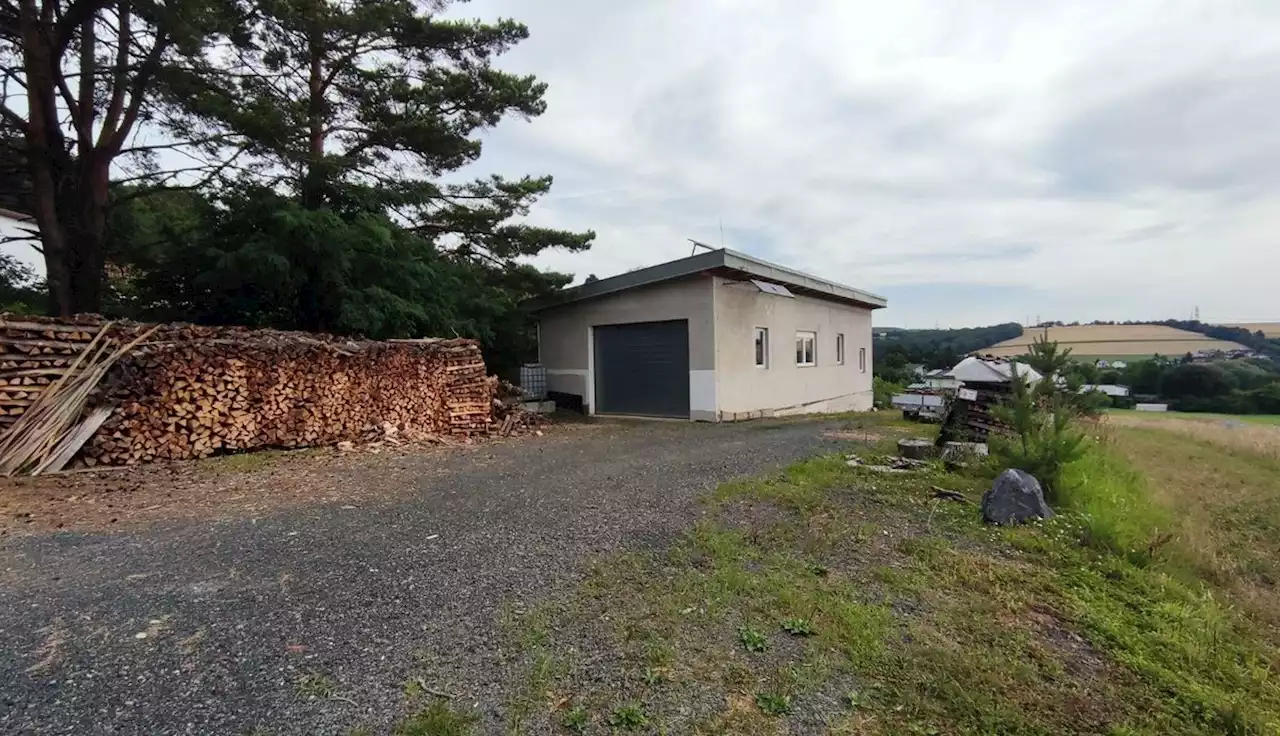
x,y
1148,416
833,599
1114,341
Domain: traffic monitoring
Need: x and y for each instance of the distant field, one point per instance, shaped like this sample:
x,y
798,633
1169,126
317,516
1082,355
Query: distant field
x,y
1270,329
1111,358
1114,341
1196,416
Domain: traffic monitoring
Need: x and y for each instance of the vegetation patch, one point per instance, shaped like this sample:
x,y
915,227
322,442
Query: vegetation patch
x,y
438,719
774,704
316,685
908,615
628,718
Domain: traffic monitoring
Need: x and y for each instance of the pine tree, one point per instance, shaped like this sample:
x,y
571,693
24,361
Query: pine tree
x,y
356,110
88,73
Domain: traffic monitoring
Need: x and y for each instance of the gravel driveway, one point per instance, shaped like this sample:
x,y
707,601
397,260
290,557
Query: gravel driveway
x,y
310,621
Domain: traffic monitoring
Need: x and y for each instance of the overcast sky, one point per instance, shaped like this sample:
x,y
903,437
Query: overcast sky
x,y
974,162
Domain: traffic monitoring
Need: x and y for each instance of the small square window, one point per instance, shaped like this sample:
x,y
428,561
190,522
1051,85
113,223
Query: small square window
x,y
806,348
762,347
862,359
840,348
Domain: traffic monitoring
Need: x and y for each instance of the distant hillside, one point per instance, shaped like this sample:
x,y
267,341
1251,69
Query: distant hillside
x,y
1270,329
1114,341
897,347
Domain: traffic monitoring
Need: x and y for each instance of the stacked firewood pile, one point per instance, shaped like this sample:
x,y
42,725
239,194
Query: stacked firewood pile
x,y
189,391
509,416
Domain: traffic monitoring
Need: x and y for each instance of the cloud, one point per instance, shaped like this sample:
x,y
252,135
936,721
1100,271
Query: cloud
x,y
978,163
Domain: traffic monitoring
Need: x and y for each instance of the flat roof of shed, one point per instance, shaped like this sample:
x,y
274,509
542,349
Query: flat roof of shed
x,y
722,262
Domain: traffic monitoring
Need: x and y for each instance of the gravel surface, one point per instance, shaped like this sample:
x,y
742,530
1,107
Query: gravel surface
x,y
311,620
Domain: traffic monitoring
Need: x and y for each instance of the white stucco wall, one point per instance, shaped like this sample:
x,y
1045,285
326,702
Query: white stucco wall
x,y
564,336
743,390
22,250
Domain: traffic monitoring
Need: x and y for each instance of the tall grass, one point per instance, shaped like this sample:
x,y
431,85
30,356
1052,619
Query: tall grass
x,y
1117,509
1163,597
1226,502
1225,432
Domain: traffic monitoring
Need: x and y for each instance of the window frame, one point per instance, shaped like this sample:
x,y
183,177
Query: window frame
x,y
756,339
862,360
839,348
812,337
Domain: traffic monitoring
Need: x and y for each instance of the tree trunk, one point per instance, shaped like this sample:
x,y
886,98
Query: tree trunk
x,y
75,237
68,194
313,181
86,255
46,155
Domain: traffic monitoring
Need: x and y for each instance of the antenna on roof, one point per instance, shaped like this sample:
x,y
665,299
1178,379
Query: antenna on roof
x,y
697,245
722,239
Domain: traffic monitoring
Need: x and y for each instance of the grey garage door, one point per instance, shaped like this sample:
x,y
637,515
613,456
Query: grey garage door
x,y
643,369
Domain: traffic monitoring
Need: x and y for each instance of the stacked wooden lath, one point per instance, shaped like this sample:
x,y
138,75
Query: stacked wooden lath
x,y
35,353
971,416
188,391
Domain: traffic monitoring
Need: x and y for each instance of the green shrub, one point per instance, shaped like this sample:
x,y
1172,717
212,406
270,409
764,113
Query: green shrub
x,y
883,391
1093,403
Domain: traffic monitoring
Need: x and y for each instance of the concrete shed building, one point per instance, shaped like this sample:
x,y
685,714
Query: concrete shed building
x,y
716,336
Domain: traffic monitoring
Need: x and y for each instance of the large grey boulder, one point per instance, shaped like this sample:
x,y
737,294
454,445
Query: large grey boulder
x,y
1015,498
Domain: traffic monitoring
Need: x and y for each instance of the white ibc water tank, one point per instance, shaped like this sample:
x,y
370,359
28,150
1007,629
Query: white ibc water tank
x,y
533,379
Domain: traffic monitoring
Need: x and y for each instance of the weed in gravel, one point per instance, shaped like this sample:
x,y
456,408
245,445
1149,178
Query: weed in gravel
x,y
413,689
653,676
629,718
438,719
316,685
798,627
752,640
773,704
576,719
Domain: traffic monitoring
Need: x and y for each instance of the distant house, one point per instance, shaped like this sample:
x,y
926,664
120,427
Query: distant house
x,y
16,240
988,370
1110,389
940,379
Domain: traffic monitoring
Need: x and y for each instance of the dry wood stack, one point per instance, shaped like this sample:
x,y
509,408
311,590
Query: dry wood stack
x,y
34,354
192,391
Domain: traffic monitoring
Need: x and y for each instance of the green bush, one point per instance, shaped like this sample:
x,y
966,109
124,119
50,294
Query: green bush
x,y
883,392
1093,403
